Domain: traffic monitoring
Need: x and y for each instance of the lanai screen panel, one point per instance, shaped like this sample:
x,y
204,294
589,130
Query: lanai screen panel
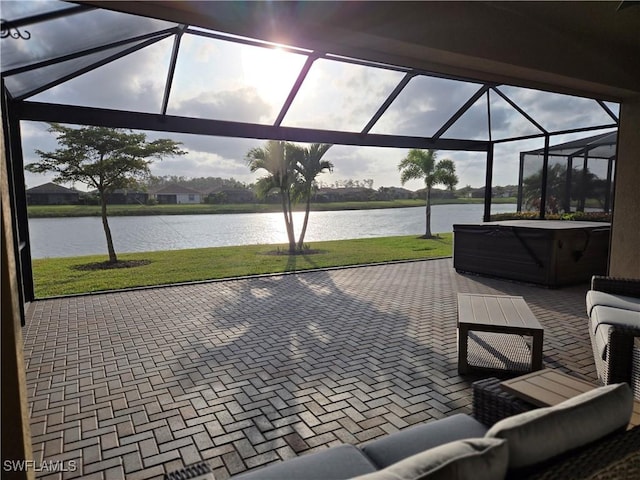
x,y
135,82
71,34
579,176
556,112
424,105
224,80
25,84
340,96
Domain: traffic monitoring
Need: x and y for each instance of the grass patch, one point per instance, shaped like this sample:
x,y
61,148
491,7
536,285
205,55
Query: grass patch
x,y
64,276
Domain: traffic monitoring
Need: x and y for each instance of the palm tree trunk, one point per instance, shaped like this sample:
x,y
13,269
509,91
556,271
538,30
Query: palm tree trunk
x,y
306,220
427,233
288,220
107,231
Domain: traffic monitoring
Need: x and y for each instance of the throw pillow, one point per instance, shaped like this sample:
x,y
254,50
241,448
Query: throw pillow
x,y
473,459
544,433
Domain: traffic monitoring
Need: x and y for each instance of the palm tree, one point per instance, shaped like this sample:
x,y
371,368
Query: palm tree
x,y
583,185
279,159
309,167
420,164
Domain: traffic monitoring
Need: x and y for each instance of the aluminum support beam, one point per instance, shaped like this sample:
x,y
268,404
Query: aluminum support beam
x,y
45,112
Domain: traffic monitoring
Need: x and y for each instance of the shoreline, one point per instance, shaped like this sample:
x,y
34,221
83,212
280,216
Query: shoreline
x,y
62,211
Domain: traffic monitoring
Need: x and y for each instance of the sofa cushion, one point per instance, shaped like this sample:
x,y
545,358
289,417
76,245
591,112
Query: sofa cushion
x,y
473,459
407,442
544,433
601,321
594,298
602,315
337,463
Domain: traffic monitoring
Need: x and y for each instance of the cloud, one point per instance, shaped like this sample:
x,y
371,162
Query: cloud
x,y
203,164
134,82
241,105
340,96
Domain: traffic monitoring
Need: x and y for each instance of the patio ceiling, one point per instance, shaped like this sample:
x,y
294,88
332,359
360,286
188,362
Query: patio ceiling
x,y
298,89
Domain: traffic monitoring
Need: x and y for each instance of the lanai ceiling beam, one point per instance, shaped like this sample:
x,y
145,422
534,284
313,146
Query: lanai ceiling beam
x,y
387,103
461,111
46,112
172,68
296,88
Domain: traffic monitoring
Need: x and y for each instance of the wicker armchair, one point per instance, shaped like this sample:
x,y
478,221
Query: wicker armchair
x,y
622,360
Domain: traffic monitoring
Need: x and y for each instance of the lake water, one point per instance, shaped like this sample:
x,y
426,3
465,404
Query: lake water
x,y
68,237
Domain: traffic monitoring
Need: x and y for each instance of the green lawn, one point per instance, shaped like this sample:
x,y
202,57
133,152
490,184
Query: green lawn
x,y
57,276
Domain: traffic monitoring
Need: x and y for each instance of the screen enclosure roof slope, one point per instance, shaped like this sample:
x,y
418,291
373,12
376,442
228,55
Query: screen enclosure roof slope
x,y
206,82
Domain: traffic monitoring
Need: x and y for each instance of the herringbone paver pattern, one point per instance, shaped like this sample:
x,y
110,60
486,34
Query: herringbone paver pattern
x,y
246,372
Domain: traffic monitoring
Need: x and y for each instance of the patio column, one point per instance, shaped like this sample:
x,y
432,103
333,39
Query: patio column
x,y
624,257
16,433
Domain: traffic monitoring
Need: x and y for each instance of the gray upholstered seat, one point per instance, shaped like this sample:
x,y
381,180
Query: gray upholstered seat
x,y
604,299
413,440
337,463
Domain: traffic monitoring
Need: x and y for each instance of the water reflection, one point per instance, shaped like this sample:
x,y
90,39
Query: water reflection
x,y
66,237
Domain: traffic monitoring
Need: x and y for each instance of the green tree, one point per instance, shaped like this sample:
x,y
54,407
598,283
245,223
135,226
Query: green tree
x,y
309,166
279,160
583,185
103,158
421,164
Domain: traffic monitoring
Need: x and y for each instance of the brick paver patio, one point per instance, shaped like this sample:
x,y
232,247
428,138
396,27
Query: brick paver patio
x,y
245,372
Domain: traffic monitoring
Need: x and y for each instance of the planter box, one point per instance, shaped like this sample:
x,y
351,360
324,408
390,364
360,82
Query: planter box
x,y
546,252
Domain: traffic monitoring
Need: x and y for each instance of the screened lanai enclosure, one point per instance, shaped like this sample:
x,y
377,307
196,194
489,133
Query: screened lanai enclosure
x,y
578,177
77,64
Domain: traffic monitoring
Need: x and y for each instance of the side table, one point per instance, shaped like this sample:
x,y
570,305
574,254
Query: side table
x,y
490,331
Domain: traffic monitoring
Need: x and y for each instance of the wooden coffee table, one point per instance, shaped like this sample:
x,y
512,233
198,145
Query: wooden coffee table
x,y
549,387
503,320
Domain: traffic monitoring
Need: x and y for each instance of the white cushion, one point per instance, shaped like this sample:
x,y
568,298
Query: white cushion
x,y
544,433
473,459
595,298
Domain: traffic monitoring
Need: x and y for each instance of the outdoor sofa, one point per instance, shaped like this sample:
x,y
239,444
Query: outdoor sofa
x,y
613,307
584,437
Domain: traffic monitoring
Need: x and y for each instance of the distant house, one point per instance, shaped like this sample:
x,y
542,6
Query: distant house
x,y
348,194
394,193
52,194
123,196
176,194
231,195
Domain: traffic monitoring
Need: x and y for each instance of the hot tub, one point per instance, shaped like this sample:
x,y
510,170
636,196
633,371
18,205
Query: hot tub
x,y
547,252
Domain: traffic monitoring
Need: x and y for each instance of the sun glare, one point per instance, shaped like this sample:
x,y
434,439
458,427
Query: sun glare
x,y
271,71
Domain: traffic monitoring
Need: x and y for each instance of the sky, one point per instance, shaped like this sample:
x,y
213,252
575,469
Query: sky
x,y
228,81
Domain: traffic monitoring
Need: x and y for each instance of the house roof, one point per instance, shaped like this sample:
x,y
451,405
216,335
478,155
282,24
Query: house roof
x,y
48,188
175,189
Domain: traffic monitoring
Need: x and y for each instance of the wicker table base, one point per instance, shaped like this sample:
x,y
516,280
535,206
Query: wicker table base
x,y
616,456
491,403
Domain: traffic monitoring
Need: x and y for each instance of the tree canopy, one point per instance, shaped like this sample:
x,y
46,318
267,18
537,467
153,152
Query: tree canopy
x,y
291,172
103,158
422,165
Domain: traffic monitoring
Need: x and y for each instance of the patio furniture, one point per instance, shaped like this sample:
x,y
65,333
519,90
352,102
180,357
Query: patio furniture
x,y
546,252
613,306
490,334
462,447
494,399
